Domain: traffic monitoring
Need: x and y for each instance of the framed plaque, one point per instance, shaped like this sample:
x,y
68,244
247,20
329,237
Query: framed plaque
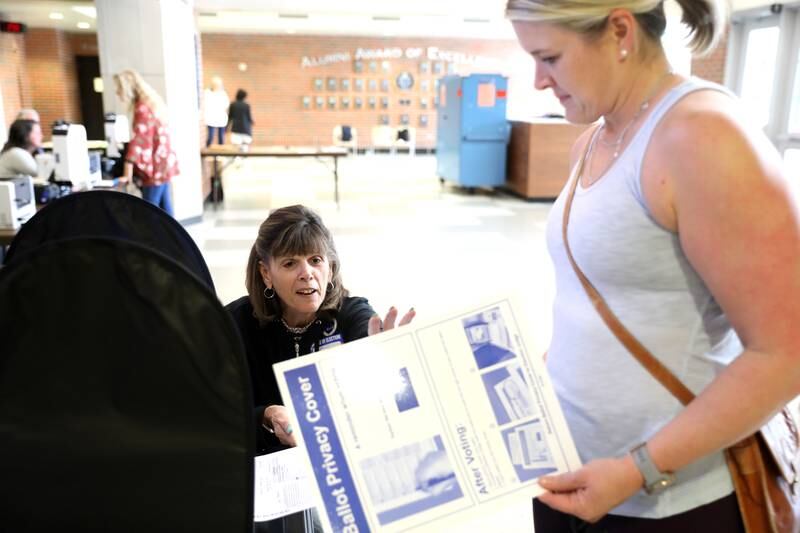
x,y
333,84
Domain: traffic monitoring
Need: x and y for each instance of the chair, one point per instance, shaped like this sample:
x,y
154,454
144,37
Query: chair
x,y
383,137
339,137
406,137
125,400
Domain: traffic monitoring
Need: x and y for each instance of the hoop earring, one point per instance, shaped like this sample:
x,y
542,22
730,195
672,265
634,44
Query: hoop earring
x,y
331,286
271,294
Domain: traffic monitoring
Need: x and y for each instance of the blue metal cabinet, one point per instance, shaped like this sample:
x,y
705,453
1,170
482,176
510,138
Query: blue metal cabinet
x,y
472,131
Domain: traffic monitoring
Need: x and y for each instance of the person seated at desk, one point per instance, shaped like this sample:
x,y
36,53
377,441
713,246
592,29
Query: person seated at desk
x,y
24,139
28,114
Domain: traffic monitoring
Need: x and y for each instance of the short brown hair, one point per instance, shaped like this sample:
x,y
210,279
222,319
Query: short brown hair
x,y
293,230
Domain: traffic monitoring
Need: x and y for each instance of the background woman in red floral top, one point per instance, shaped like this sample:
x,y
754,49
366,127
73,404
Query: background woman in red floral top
x,y
149,159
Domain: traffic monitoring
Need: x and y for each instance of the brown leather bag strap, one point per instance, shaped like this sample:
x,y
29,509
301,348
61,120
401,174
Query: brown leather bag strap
x,y
660,372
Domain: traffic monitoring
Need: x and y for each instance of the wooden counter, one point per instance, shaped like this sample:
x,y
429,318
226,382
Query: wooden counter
x,y
538,157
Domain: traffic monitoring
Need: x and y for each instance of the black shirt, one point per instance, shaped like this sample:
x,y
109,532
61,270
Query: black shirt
x,y
239,117
272,344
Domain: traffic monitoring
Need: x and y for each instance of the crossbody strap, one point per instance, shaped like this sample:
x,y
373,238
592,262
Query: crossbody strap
x,y
657,369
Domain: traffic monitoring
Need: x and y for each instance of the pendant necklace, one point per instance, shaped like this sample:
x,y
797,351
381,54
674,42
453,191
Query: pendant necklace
x,y
297,333
617,143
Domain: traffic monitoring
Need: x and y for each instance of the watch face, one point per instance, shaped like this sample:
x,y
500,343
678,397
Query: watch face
x,y
405,81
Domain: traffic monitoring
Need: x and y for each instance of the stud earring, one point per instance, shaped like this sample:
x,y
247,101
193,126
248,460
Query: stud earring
x,y
623,54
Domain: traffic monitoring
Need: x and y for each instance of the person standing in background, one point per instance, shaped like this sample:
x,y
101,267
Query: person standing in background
x,y
240,120
215,111
149,159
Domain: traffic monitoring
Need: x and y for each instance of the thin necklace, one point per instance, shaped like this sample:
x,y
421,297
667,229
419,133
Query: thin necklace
x,y
617,143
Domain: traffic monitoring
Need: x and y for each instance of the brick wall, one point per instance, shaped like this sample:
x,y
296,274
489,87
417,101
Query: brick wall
x,y
52,77
712,66
13,78
276,82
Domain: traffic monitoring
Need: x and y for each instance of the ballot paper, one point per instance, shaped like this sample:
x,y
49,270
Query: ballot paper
x,y
283,485
428,424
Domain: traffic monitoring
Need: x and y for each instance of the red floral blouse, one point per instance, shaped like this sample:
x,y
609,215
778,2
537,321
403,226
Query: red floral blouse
x,y
154,162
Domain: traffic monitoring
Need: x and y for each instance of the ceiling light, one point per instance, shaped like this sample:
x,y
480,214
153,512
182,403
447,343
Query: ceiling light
x,y
477,20
382,17
84,25
86,11
207,14
292,15
55,15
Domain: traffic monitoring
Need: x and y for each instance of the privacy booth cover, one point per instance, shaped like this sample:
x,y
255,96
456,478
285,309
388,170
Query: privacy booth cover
x,y
116,215
125,403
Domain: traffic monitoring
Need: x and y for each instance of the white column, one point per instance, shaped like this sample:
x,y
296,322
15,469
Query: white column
x,y
157,39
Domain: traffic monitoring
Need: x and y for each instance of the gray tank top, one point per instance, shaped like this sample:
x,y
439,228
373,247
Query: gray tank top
x,y
612,403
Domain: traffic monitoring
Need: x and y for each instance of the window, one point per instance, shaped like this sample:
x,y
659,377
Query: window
x,y
764,70
759,72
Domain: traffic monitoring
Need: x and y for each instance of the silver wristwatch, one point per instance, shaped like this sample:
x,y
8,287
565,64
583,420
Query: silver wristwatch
x,y
655,481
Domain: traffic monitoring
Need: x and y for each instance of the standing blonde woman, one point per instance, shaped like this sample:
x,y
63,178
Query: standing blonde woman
x,y
149,158
684,223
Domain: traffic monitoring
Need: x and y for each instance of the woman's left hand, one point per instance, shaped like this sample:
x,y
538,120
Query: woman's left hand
x,y
376,325
594,489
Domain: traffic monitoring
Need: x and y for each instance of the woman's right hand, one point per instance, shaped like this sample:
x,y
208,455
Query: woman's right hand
x,y
276,418
376,325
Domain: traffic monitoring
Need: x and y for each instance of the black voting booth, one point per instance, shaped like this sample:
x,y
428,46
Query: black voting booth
x,y
115,215
125,402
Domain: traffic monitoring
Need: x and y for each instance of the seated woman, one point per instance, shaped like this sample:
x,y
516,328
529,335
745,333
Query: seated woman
x,y
24,139
296,304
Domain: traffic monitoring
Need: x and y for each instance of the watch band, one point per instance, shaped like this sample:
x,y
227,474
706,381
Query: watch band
x,y
655,481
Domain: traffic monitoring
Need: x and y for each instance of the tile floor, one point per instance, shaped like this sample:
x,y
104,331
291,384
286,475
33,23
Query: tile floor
x,y
403,239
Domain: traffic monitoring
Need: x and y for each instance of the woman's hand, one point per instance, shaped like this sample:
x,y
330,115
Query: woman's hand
x,y
594,489
276,418
376,325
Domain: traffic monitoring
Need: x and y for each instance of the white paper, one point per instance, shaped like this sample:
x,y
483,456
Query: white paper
x,y
283,485
429,423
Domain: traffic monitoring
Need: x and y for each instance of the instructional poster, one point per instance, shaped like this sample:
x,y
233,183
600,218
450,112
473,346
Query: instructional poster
x,y
406,429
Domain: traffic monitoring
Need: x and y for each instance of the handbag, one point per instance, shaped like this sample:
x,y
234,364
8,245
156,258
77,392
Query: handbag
x,y
765,466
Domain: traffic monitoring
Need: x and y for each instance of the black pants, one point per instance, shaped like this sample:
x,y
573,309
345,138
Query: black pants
x,y
721,515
